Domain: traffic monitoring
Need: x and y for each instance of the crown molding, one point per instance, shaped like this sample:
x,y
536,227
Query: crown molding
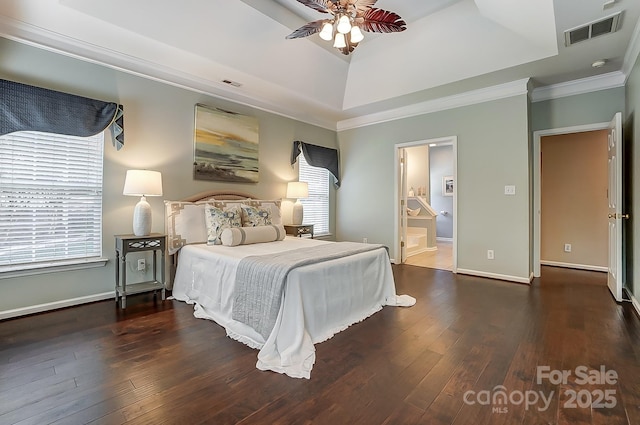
x,y
633,51
473,97
584,85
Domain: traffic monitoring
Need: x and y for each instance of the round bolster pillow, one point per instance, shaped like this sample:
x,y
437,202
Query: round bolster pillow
x,y
234,236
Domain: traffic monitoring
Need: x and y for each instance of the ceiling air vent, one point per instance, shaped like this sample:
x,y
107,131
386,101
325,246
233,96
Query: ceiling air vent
x,y
593,29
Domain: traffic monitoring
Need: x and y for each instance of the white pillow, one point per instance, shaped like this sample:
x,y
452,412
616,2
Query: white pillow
x,y
247,235
184,224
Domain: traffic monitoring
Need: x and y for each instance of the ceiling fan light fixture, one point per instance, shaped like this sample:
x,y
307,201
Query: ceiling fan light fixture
x,y
350,17
327,31
356,34
344,24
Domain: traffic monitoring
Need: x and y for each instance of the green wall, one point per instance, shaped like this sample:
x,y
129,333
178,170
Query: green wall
x,y
493,151
631,135
493,147
589,108
159,121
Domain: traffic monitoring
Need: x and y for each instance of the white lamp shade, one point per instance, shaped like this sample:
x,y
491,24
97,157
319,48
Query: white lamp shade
x,y
340,41
297,190
344,25
356,34
327,31
143,183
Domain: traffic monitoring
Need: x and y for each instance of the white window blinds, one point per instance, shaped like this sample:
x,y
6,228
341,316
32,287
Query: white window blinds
x,y
50,199
316,206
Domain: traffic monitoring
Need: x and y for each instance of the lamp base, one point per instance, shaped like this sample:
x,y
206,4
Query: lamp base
x,y
142,218
297,214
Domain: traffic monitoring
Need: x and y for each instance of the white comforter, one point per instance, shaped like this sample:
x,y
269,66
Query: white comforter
x,y
320,299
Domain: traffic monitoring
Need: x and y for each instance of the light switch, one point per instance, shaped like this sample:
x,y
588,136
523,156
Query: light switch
x,y
510,190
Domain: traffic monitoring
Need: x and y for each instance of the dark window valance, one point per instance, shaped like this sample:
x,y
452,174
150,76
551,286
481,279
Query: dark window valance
x,y
29,108
318,156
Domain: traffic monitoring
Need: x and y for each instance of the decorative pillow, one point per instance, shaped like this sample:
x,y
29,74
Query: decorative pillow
x,y
253,216
217,220
184,224
247,235
273,205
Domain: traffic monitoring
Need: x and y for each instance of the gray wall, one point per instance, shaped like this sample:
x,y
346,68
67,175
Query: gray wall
x,y
158,135
631,134
493,151
441,164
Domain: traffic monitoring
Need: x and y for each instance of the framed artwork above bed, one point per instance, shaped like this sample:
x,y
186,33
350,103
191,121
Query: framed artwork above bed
x,y
225,146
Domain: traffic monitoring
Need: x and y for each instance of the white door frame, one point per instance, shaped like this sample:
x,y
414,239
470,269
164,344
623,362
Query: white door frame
x,y
449,140
537,171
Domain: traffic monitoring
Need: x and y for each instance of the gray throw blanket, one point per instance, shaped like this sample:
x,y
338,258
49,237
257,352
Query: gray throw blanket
x,y
260,280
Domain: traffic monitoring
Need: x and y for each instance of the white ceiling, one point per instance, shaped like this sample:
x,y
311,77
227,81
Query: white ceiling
x,y
449,47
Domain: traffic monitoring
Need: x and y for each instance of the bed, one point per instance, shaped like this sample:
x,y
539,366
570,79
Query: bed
x,y
325,286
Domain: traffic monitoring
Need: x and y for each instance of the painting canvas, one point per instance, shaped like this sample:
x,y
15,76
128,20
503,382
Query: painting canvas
x,y
225,146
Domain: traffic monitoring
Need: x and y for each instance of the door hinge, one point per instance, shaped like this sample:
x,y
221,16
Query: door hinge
x,y
402,244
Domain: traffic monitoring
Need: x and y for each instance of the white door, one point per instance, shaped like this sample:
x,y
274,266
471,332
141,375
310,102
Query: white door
x,y
614,195
402,190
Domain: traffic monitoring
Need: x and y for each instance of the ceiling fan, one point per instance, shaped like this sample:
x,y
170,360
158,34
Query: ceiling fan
x,y
350,18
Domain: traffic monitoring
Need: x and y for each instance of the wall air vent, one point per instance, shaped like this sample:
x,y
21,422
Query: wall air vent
x,y
594,29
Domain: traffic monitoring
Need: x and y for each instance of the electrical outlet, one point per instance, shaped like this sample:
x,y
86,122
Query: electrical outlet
x,y
510,190
365,240
490,254
142,264
567,247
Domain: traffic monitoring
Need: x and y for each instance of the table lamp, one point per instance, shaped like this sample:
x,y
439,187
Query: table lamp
x,y
297,190
142,183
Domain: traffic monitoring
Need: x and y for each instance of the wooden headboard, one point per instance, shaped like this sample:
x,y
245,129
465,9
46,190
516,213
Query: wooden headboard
x,y
219,195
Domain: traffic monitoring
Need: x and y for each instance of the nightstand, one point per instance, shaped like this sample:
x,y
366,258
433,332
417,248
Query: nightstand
x,y
299,229
126,244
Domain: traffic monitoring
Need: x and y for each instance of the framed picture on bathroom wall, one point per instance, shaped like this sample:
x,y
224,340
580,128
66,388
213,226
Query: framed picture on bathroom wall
x,y
447,186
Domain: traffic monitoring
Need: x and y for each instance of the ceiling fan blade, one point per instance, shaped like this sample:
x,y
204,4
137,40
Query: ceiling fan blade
x,y
363,5
378,20
308,29
320,5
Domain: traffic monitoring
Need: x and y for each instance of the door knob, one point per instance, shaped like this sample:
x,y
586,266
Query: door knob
x,y
618,216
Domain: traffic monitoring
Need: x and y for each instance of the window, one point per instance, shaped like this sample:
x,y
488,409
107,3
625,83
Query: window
x,y
316,206
50,200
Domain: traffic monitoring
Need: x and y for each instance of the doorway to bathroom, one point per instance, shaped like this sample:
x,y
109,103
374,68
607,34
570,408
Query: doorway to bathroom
x,y
427,201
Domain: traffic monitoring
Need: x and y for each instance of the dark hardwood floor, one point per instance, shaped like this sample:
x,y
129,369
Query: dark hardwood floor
x,y
438,362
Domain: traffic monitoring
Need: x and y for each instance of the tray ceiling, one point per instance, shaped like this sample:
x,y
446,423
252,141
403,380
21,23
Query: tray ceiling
x,y
449,47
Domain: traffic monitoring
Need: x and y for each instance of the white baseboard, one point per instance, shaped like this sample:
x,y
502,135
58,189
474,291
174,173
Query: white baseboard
x,y
575,266
23,311
635,303
444,239
496,276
